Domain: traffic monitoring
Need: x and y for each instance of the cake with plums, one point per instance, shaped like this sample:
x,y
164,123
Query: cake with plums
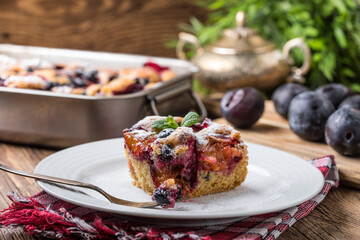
x,y
80,79
181,153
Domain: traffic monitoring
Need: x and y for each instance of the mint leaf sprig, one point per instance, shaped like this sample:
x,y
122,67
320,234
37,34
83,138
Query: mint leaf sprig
x,y
162,124
190,119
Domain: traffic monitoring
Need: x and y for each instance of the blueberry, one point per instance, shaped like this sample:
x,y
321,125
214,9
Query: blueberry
x,y
142,81
145,81
335,92
58,66
283,96
167,153
353,101
112,77
78,82
179,193
161,195
92,76
164,133
50,85
308,113
242,107
342,131
30,69
79,72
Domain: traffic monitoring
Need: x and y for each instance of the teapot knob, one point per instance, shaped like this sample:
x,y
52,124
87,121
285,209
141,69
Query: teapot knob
x,y
240,19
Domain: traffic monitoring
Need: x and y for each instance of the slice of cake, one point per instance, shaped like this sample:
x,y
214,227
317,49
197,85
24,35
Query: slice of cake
x,y
200,159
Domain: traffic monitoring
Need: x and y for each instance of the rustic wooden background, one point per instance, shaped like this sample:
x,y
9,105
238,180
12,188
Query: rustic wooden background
x,y
128,26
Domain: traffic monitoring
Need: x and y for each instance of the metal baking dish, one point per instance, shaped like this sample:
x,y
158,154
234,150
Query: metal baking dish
x,y
60,120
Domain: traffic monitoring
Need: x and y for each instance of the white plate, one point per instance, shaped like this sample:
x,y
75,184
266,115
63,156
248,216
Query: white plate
x,y
276,181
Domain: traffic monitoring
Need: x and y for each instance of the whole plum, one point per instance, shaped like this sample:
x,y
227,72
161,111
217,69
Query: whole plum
x,y
308,113
335,92
342,131
283,96
242,107
353,101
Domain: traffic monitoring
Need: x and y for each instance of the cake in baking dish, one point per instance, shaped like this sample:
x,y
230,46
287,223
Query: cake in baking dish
x,y
80,79
202,158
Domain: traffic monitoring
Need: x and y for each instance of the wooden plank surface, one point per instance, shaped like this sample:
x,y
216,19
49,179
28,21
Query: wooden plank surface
x,y
127,26
337,217
272,130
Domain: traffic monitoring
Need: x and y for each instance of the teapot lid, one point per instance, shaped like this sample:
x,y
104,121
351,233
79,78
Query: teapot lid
x,y
241,40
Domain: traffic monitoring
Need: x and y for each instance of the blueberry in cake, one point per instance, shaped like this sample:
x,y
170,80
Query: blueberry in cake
x,y
180,153
167,193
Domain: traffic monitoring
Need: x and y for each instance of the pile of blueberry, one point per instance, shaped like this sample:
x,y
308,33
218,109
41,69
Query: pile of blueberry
x,y
330,113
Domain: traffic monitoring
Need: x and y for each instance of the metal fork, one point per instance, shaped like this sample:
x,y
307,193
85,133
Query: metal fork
x,y
49,179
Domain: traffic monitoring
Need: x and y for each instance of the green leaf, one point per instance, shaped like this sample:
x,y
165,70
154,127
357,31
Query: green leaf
x,y
316,44
162,124
340,37
327,64
327,9
339,4
348,72
196,24
355,87
216,5
190,119
311,32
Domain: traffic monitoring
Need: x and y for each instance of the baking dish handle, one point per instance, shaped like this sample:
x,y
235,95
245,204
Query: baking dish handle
x,y
175,92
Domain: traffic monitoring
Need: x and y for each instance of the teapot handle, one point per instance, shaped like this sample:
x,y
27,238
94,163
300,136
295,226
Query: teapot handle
x,y
183,39
298,42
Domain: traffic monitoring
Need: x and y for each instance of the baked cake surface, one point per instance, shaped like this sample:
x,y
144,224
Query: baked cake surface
x,y
80,79
204,158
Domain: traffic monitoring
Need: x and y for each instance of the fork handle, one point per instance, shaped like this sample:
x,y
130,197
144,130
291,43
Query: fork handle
x,y
48,178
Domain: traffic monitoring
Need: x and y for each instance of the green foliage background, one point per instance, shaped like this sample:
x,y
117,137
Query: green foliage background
x,y
331,28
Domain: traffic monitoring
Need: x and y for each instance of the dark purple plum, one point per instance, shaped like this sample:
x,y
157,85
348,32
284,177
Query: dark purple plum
x,y
308,113
283,96
342,131
242,107
351,102
335,92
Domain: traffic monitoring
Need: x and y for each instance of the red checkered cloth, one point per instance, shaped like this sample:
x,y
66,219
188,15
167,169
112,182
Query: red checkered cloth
x,y
47,216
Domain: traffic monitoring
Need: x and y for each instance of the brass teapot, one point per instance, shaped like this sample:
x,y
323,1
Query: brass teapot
x,y
243,58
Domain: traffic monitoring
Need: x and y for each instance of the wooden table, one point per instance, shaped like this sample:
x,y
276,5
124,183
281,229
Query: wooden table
x,y
337,217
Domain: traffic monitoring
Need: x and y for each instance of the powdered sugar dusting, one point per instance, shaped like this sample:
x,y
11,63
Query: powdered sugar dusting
x,y
146,122
215,130
25,79
141,134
